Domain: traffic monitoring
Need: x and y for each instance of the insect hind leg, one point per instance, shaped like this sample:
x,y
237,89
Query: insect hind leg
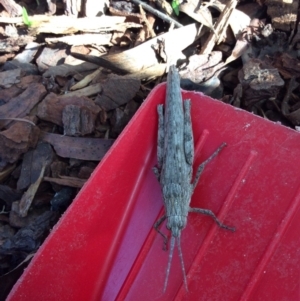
x,y
202,165
213,216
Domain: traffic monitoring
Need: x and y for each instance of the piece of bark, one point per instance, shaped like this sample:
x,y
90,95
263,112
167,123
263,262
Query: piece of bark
x,y
29,238
287,66
51,108
33,161
9,93
9,78
283,13
16,140
9,195
90,149
21,105
78,121
27,68
259,81
29,79
14,43
117,90
120,118
12,7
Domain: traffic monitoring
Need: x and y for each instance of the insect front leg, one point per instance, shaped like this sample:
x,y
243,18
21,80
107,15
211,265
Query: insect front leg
x,y
156,225
160,141
188,133
212,215
202,165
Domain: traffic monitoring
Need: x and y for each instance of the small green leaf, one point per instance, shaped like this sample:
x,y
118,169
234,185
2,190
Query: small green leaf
x,y
25,17
175,6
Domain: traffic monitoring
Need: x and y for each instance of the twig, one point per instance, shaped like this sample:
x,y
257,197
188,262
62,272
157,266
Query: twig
x,y
157,13
19,119
220,27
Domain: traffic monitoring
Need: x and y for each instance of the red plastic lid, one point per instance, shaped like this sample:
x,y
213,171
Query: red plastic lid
x,y
105,247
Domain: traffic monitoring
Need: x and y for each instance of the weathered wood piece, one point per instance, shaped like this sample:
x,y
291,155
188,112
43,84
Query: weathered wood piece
x,y
283,13
117,90
51,108
16,140
21,105
90,149
78,121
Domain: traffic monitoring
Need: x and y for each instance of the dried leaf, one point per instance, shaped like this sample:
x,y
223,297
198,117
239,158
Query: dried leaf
x,y
28,196
238,50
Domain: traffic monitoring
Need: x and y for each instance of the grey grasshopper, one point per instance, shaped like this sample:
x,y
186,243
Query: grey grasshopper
x,y
175,156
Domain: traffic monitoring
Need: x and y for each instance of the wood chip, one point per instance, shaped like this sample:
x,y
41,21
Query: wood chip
x,y
16,140
90,149
21,105
67,181
51,108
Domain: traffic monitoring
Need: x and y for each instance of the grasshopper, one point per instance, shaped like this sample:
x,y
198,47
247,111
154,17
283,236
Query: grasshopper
x,y
175,156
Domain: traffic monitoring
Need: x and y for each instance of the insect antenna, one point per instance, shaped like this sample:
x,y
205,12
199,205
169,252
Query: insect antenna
x,y
182,262
172,244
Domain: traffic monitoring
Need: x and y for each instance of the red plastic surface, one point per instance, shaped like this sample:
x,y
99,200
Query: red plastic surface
x,y
105,248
